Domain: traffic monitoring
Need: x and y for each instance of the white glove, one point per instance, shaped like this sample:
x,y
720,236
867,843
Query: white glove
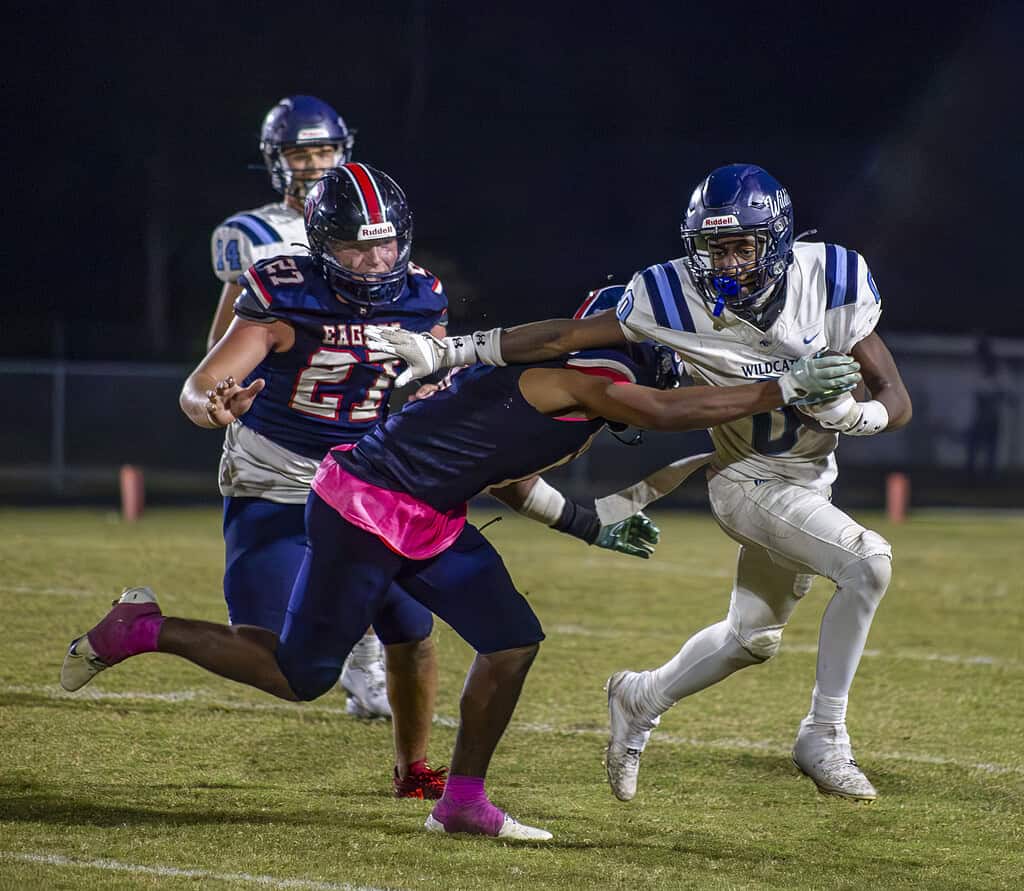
x,y
818,378
846,415
425,354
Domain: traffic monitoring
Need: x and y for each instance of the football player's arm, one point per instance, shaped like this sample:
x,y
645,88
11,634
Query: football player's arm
x,y
211,397
883,380
534,498
889,407
689,408
536,342
553,390
224,314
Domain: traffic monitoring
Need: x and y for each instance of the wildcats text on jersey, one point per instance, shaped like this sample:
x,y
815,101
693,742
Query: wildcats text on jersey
x,y
771,368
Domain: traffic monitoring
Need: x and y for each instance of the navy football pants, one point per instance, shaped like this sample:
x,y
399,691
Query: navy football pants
x,y
345,583
265,545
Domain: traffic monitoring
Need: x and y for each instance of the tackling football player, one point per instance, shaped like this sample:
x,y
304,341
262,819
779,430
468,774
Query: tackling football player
x,y
746,301
393,508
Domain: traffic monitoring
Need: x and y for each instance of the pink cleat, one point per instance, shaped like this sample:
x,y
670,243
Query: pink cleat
x,y
481,819
131,627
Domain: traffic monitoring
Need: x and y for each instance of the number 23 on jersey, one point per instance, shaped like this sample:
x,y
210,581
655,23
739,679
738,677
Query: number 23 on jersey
x,y
331,365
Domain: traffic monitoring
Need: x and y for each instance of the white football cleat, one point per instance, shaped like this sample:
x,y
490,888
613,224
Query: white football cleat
x,y
364,679
629,732
511,830
822,752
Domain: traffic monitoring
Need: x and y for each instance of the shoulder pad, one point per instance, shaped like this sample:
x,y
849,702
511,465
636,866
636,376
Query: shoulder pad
x,y
600,300
255,228
248,307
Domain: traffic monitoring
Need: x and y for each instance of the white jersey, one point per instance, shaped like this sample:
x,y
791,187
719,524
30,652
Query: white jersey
x,y
831,302
273,230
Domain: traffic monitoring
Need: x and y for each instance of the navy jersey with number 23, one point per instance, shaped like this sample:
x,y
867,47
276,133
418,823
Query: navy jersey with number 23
x,y
328,388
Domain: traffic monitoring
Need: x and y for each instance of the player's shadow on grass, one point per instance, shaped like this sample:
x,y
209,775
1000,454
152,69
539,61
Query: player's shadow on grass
x,y
51,809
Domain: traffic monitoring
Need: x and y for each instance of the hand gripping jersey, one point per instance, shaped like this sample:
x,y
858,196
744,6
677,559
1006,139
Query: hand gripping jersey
x,y
831,302
479,432
274,230
327,389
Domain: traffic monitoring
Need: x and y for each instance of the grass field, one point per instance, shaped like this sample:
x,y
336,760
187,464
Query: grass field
x,y
159,775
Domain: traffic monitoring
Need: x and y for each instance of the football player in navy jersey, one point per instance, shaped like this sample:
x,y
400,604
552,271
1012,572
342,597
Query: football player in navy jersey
x,y
393,508
302,137
297,337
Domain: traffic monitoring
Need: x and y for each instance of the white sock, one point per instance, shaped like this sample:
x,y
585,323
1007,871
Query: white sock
x,y
827,709
708,657
366,650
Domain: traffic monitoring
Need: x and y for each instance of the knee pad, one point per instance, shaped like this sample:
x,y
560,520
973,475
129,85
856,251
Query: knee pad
x,y
868,577
761,643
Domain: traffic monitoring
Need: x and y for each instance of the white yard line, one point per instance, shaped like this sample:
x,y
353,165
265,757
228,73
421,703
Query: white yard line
x,y
35,589
60,862
730,744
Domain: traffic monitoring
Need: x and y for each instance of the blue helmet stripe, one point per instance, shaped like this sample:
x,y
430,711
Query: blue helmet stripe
x,y
686,320
259,232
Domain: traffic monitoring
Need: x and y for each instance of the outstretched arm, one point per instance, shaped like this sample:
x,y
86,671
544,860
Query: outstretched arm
x,y
536,342
532,497
553,390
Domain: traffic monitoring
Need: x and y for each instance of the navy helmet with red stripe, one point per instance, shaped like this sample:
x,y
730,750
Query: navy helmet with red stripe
x,y
299,122
661,361
356,203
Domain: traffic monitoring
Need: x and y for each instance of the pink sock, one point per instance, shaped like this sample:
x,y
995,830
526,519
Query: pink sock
x,y
143,635
465,807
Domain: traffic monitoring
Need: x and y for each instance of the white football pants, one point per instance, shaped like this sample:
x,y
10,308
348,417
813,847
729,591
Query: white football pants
x,y
787,534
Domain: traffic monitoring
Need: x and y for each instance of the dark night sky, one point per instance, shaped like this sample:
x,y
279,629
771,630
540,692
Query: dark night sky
x,y
542,150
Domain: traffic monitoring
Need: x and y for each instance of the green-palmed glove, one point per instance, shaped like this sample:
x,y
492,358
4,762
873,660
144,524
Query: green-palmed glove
x,y
818,378
636,536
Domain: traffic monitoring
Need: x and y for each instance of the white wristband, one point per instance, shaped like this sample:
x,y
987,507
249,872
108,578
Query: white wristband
x,y
544,504
468,349
874,418
488,346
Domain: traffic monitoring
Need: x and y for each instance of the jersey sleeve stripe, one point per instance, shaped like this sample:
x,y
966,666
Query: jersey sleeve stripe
x,y
257,288
664,299
657,303
608,368
677,294
258,232
835,275
852,277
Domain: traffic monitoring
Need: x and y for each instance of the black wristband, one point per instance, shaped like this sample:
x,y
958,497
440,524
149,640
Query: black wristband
x,y
579,521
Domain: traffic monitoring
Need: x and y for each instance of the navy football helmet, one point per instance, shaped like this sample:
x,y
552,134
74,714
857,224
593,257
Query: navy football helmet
x,y
740,199
663,362
355,202
301,121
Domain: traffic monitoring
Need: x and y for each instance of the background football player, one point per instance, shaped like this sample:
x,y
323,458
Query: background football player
x,y
393,507
745,302
302,137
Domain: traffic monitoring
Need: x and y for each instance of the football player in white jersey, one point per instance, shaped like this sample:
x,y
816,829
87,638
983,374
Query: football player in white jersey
x,y
302,137
745,302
